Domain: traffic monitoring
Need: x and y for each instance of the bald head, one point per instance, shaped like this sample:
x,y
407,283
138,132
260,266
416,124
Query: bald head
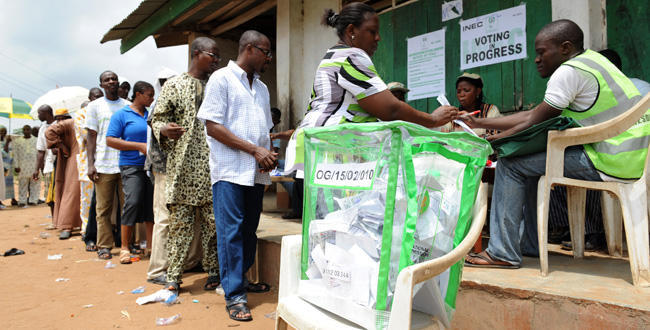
x,y
202,44
251,37
95,93
561,31
45,113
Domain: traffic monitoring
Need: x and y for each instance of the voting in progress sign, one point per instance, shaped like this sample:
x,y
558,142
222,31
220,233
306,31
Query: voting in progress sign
x,y
493,38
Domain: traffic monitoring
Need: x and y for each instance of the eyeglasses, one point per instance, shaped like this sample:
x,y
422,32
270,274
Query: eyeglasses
x,y
266,52
214,56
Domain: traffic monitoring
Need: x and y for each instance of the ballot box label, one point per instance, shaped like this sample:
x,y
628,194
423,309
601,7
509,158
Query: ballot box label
x,y
349,175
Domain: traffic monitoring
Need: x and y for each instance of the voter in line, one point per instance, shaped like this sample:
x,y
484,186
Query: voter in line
x,y
347,88
469,92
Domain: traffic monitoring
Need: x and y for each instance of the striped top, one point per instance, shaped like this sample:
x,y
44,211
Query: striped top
x,y
344,76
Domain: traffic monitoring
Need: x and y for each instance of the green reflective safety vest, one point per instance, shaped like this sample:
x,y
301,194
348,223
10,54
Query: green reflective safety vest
x,y
622,156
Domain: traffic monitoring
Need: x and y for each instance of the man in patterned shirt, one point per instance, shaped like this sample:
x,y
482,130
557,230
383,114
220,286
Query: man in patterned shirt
x,y
182,137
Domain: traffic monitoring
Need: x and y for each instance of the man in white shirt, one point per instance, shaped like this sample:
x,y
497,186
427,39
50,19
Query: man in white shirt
x,y
585,86
45,157
103,161
237,115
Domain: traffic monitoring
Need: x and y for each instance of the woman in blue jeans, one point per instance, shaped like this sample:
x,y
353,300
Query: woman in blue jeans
x,y
127,132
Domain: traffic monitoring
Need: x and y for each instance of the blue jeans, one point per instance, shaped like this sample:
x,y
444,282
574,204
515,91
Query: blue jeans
x,y
237,211
513,216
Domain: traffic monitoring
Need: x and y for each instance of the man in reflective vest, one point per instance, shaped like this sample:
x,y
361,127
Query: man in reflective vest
x,y
585,86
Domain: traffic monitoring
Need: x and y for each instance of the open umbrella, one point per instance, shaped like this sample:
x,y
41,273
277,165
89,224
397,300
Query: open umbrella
x,y
14,108
69,98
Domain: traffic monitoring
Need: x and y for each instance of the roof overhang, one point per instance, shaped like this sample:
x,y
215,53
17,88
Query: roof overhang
x,y
171,22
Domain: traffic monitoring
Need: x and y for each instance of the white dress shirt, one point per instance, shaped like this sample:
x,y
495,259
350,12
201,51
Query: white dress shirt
x,y
41,145
245,111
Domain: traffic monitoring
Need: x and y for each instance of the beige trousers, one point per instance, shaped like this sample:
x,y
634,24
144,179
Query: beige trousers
x,y
158,261
105,189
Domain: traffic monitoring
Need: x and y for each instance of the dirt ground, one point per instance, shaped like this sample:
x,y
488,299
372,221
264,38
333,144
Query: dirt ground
x,y
31,297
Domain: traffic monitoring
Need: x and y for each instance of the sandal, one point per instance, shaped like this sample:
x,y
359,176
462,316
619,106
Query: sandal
x,y
135,250
65,234
258,287
173,286
237,309
483,260
212,282
104,253
160,279
125,257
91,247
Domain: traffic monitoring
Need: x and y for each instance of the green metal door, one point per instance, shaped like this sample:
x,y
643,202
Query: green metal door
x,y
628,29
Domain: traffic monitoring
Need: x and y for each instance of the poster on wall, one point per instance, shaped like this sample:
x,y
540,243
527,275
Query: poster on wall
x,y
452,9
426,65
493,38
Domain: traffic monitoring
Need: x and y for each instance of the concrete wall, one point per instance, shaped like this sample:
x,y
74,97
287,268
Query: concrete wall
x,y
301,44
590,15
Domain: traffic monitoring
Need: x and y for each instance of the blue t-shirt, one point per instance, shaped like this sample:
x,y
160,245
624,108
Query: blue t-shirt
x,y
128,125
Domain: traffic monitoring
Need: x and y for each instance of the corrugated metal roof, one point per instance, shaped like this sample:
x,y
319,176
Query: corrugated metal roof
x,y
135,18
170,21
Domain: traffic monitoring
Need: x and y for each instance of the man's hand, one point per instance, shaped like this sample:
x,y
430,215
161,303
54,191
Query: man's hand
x,y
266,158
92,173
172,131
142,147
35,175
444,114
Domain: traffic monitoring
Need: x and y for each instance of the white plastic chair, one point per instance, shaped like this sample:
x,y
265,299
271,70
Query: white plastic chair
x,y
633,197
300,314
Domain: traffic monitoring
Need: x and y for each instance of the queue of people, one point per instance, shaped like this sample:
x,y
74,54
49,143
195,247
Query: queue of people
x,y
192,166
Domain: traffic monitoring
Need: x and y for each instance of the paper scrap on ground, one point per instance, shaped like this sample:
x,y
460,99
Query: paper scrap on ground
x,y
120,292
139,289
126,314
167,320
88,306
54,257
62,279
162,295
109,265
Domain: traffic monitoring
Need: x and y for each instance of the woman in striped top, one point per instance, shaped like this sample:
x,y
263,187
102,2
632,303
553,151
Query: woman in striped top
x,y
347,87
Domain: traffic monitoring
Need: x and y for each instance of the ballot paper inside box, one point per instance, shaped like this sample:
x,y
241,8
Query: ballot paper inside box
x,y
380,197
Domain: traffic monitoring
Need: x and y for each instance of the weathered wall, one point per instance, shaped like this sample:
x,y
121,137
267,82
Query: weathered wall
x,y
301,44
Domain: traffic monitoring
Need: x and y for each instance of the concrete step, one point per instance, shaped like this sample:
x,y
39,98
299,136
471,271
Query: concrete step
x,y
594,292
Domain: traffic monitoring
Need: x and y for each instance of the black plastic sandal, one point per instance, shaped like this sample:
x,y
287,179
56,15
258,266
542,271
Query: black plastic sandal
x,y
175,286
91,247
104,253
212,282
237,309
258,287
